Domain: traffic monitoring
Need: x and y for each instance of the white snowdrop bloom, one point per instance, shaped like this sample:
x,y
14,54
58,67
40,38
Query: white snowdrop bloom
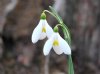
x,y
58,44
42,30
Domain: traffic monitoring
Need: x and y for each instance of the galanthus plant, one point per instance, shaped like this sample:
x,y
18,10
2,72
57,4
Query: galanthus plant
x,y
55,41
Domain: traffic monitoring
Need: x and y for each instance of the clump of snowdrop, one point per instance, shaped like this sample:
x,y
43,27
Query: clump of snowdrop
x,y
55,41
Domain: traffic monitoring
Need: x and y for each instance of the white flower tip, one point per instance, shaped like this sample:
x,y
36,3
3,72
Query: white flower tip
x,y
34,41
68,52
45,53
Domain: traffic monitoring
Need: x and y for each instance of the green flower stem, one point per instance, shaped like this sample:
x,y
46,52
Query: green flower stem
x,y
70,65
49,13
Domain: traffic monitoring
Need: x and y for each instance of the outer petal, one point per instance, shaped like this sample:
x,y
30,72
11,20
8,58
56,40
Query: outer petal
x,y
48,46
37,32
64,45
49,30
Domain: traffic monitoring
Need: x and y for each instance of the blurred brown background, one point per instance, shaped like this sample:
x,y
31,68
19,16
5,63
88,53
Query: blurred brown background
x,y
18,18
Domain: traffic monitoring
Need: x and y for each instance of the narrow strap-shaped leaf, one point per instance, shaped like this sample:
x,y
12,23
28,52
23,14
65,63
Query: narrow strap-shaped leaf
x,y
70,65
66,34
66,37
56,14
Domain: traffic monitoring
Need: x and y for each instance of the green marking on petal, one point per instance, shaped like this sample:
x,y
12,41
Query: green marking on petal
x,y
44,29
55,43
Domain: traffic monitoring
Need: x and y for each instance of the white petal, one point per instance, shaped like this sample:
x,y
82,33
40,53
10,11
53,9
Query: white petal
x,y
42,36
64,45
48,46
58,50
49,30
37,32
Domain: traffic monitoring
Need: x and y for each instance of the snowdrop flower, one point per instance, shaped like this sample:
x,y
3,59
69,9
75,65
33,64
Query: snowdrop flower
x,y
42,30
58,43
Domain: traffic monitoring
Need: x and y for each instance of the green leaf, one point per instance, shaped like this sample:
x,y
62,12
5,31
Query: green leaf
x,y
56,14
70,65
66,34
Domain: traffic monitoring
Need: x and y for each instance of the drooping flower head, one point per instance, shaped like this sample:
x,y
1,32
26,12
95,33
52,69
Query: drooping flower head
x,y
42,30
58,44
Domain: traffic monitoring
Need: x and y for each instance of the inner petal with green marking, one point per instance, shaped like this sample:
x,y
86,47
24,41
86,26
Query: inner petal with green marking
x,y
55,43
44,29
